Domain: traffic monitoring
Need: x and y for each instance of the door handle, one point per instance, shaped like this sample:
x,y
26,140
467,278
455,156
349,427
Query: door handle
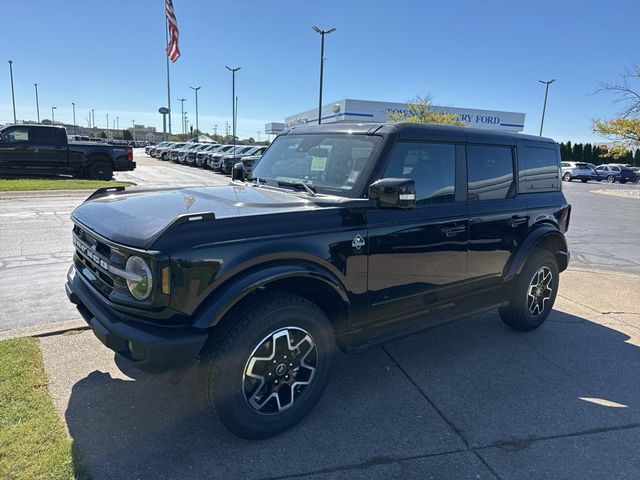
x,y
453,230
516,221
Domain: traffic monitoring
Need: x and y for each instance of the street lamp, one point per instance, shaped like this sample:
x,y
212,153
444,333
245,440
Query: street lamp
x,y
544,107
133,124
107,125
37,102
13,95
322,34
53,118
182,100
75,129
233,101
195,89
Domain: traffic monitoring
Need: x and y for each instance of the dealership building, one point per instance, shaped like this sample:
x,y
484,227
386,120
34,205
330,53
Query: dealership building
x,y
358,111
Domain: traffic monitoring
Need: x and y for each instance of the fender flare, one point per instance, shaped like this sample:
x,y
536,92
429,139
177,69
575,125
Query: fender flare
x,y
531,241
223,298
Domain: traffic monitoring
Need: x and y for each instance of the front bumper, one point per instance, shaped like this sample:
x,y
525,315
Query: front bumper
x,y
153,349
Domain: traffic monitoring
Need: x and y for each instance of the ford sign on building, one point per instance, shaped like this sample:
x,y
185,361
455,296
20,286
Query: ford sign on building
x,y
359,111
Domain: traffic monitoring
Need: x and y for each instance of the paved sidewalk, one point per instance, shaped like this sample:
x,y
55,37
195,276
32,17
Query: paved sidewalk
x,y
469,400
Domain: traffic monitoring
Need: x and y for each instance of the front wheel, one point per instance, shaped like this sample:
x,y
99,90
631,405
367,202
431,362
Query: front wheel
x,y
268,368
567,177
611,179
534,292
584,180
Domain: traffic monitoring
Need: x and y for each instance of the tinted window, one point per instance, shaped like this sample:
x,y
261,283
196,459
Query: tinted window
x,y
50,136
539,169
20,134
430,165
489,172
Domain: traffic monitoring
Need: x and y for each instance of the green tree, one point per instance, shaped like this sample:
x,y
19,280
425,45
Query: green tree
x,y
587,153
103,134
420,111
568,151
625,128
126,135
636,158
577,152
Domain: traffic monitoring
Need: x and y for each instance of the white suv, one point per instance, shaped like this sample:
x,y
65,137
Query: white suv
x,y
578,171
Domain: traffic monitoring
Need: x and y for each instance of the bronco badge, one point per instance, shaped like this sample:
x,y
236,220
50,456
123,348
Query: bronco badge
x,y
358,242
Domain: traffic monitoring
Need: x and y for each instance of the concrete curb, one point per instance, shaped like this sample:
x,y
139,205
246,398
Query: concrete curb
x,y
55,328
46,193
602,272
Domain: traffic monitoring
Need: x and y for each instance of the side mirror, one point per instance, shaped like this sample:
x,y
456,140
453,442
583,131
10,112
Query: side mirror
x,y
393,193
238,172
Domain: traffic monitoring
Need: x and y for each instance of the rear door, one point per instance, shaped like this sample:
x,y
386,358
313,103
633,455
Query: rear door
x,y
415,255
498,217
16,152
50,149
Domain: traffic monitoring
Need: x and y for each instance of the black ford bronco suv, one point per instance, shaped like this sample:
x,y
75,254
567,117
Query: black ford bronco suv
x,y
345,236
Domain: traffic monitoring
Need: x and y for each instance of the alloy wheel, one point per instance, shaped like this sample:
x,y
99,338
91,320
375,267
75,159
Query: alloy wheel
x,y
539,291
279,370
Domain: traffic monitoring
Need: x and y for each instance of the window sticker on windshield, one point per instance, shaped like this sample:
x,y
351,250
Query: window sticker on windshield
x,y
318,164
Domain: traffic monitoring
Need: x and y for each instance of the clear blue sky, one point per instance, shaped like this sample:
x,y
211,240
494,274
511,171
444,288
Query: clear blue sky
x,y
110,56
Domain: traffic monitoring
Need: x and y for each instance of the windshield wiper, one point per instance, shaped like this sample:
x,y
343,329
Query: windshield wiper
x,y
310,190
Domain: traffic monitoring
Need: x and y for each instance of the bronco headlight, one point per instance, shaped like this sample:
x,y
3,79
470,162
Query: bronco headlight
x,y
139,288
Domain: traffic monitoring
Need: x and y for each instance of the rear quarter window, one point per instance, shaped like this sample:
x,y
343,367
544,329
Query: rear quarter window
x,y
538,170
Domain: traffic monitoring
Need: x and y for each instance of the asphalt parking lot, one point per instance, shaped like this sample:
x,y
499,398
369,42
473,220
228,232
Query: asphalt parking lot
x,y
36,250
468,400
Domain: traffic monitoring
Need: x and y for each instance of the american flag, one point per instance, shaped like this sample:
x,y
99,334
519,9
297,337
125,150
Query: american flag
x,y
172,27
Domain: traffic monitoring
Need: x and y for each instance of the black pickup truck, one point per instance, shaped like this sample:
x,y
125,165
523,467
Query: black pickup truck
x,y
45,150
346,235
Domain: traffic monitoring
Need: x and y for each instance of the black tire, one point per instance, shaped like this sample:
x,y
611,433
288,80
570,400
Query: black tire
x,y
623,181
611,179
584,180
566,177
231,364
100,170
518,314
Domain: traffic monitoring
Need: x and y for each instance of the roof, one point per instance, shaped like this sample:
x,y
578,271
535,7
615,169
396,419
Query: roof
x,y
408,131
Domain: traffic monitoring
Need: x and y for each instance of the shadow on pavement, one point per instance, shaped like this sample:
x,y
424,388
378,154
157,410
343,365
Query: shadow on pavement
x,y
429,406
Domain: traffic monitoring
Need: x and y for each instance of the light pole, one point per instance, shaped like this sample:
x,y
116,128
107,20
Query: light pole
x,y
53,117
13,95
182,100
75,129
322,34
195,89
133,124
233,101
107,125
37,102
544,106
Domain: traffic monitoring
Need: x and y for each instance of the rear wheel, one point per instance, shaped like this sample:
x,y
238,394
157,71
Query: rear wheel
x,y
100,170
567,177
584,180
611,179
623,181
534,292
268,368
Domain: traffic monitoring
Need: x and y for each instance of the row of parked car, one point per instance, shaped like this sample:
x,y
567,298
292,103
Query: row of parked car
x,y
219,158
612,172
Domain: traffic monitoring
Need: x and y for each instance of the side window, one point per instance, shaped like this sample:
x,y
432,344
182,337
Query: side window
x,y
47,136
538,169
600,168
431,165
15,135
565,164
615,169
489,172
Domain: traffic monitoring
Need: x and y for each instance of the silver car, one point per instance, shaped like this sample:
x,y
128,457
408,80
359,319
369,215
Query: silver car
x,y
577,171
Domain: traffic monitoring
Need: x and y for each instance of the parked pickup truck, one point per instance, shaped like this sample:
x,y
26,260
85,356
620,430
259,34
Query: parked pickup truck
x,y
345,236
45,150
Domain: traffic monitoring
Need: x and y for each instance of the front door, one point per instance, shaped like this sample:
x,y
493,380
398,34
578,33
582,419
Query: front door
x,y
416,254
16,154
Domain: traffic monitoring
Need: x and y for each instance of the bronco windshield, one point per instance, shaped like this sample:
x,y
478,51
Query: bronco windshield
x,y
329,164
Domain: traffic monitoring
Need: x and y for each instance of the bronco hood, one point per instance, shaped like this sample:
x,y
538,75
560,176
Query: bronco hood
x,y
138,218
